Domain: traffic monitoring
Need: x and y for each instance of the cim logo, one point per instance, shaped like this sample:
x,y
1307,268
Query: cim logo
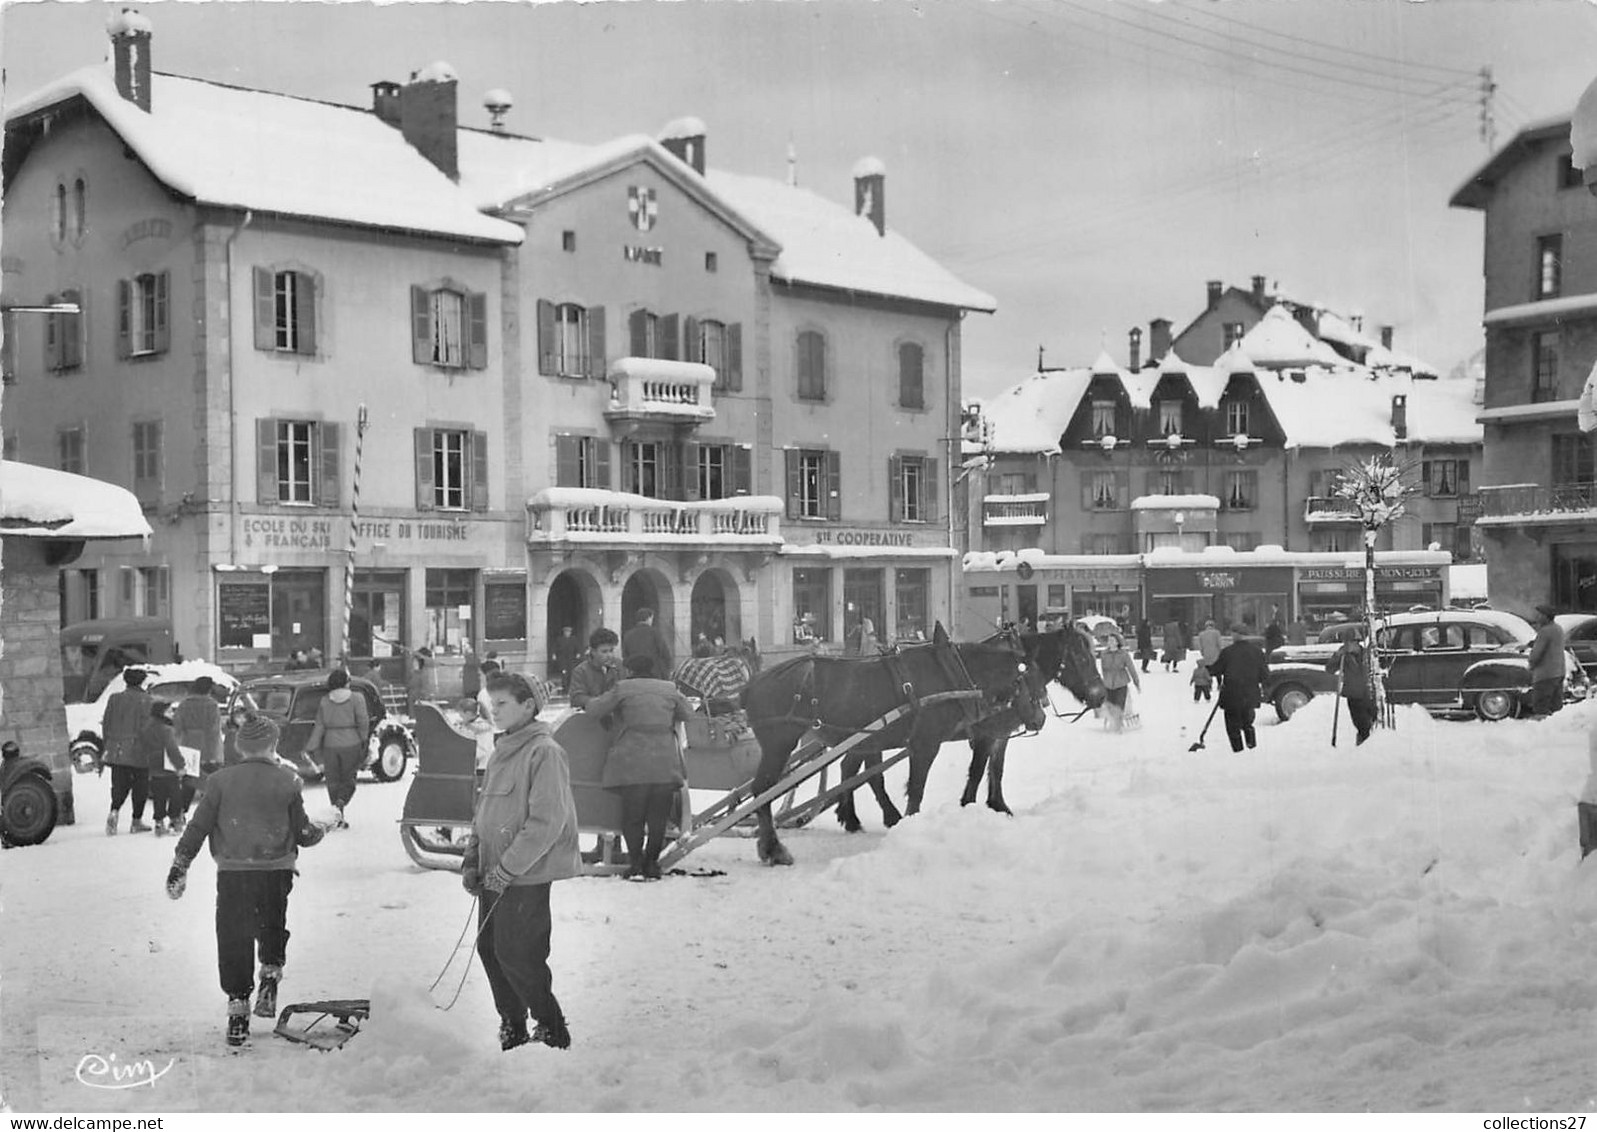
x,y
100,1072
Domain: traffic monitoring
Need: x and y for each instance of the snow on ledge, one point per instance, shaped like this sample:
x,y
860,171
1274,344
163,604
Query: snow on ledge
x,y
551,497
40,502
1540,309
817,550
1174,502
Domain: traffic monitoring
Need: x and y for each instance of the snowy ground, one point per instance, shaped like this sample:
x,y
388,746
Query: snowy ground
x,y
1401,927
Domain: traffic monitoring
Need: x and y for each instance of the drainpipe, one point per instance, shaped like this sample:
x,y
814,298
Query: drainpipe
x,y
232,416
951,415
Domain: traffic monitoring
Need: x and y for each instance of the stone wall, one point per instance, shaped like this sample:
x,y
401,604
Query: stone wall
x,y
31,711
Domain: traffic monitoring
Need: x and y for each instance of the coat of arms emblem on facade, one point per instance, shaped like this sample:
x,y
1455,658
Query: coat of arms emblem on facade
x,y
642,207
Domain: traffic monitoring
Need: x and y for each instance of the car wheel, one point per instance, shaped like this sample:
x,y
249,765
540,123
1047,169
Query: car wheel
x,y
1290,699
28,812
1495,705
390,761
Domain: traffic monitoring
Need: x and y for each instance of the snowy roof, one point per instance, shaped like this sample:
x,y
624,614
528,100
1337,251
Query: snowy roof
x,y
1332,327
1476,189
1330,409
1234,360
268,152
1280,342
688,127
1031,417
44,503
986,560
1208,382
1175,502
1583,129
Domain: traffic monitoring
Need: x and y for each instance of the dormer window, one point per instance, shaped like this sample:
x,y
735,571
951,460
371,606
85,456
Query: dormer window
x,y
1236,418
1169,418
1103,418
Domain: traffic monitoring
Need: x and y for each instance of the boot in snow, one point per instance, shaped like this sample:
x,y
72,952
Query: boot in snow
x,y
553,1034
110,822
139,826
238,1021
266,993
512,1033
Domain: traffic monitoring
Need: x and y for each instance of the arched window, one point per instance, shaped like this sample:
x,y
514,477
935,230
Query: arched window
x,y
60,217
80,208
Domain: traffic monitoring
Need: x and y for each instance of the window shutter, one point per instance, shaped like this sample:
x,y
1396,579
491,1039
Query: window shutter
x,y
568,470
1031,482
637,333
596,358
601,462
266,487
1122,490
794,502
421,326
1425,475
692,349
670,486
834,485
163,588
1087,500
1463,477
305,312
669,348
72,331
742,469
52,337
328,464
895,490
124,318
690,470
546,337
479,471
129,574
265,311
734,357
477,322
163,323
929,492
424,469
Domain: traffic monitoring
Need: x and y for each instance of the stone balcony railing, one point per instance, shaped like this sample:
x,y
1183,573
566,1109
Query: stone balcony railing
x,y
1029,510
653,389
593,515
1534,499
1329,509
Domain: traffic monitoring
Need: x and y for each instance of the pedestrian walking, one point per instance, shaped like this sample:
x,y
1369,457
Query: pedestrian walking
x,y
157,746
1119,674
645,638
523,839
126,713
1145,653
1274,635
198,723
1175,645
253,816
339,736
1351,663
567,652
1202,682
1209,643
1546,658
1242,670
868,643
643,764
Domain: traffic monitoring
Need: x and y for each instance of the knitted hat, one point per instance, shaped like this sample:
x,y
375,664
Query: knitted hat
x,y
257,736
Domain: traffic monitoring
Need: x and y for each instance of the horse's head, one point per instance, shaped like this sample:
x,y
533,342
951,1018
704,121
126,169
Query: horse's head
x,y
1075,668
1011,679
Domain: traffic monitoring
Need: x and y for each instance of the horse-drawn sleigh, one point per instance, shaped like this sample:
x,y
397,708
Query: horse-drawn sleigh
x,y
797,720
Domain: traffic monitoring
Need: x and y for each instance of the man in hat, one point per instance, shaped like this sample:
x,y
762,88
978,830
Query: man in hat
x,y
254,817
646,639
1546,658
1242,669
126,713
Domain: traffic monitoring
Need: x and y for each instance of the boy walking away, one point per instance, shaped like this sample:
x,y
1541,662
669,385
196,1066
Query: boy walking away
x,y
254,818
339,734
523,839
157,745
126,713
1242,670
1202,682
1352,665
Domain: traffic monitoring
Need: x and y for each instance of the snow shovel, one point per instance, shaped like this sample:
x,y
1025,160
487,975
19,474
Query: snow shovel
x,y
1336,705
1198,746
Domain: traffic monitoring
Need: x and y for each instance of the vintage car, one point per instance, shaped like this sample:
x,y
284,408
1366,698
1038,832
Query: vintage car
x,y
291,698
1580,638
1454,663
169,682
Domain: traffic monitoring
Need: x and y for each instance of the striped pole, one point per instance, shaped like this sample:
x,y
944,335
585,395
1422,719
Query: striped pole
x,y
354,521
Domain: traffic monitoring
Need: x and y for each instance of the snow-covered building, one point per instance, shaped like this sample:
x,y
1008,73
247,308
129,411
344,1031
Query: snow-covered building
x,y
1539,490
561,382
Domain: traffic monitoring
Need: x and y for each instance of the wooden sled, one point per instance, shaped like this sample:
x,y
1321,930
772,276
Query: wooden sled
x,y
330,1024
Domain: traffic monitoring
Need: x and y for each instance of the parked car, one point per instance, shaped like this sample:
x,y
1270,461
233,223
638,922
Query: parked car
x,y
1580,637
93,652
291,698
29,803
1326,643
1454,663
163,681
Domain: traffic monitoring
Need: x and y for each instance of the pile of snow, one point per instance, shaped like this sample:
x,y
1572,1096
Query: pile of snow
x,y
46,503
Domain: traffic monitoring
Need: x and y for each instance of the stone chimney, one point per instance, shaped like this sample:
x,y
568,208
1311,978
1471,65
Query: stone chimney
x,y
870,188
1400,416
685,139
1386,337
1215,288
385,102
1258,288
1158,339
1135,349
130,56
427,116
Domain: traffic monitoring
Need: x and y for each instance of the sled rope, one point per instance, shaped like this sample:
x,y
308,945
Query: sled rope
x,y
466,970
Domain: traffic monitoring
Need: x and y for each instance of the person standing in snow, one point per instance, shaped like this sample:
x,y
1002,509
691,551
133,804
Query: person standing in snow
x,y
1546,659
1351,663
1175,645
1274,635
1242,670
1119,674
646,638
523,839
126,713
253,815
339,735
157,745
1145,652
198,721
599,670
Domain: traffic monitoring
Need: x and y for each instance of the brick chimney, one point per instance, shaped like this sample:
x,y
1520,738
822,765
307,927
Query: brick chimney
x,y
1400,416
1135,349
685,139
385,102
1386,337
427,116
1258,288
1215,288
870,188
1158,338
130,56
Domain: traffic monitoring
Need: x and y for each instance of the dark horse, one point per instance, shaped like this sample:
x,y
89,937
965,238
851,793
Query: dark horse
x,y
837,696
1065,657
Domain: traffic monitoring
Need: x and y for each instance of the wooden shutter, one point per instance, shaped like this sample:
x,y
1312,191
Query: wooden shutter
x,y
424,469
328,464
671,472
690,470
163,323
1122,490
638,333
52,337
546,337
734,357
669,346
596,358
163,590
305,312
479,471
477,329
421,326
72,331
895,491
265,310
929,492
1088,503
601,461
795,505
834,485
568,468
1425,476
691,347
129,574
1461,481
742,469
124,318
266,487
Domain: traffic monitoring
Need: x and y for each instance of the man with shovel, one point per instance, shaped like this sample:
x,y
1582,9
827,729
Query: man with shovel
x,y
1242,670
1351,664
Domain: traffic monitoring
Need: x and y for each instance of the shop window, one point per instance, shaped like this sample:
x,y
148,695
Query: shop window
x,y
814,484
812,605
911,376
69,449
912,589
142,322
571,340
377,614
505,609
862,598
582,461
451,603
285,311
298,462
811,366
912,489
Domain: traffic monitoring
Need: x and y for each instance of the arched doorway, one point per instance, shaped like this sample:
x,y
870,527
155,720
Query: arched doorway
x,y
649,589
574,601
716,611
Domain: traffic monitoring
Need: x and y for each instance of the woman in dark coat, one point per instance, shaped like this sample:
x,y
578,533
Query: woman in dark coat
x,y
1175,645
643,765
1145,651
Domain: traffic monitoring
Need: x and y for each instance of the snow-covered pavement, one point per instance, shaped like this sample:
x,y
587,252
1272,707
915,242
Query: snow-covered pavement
x,y
1400,927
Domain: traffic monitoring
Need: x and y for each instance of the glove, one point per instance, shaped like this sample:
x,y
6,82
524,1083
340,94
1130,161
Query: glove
x,y
471,879
176,881
497,880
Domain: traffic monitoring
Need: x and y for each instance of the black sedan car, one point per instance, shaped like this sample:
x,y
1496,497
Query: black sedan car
x,y
290,699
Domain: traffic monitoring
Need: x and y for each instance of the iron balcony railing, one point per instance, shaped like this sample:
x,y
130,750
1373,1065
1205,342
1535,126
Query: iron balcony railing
x,y
1507,500
1329,509
1013,511
563,513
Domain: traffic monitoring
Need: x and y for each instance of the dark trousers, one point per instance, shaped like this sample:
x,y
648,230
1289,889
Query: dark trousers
x,y
1362,712
513,930
339,766
127,780
1239,726
166,792
645,810
251,913
1200,692
187,788
1547,696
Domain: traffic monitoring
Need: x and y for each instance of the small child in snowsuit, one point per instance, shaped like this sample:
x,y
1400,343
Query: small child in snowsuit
x,y
1202,682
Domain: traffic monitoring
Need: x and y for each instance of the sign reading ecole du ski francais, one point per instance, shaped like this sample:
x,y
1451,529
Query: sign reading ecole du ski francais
x,y
319,533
